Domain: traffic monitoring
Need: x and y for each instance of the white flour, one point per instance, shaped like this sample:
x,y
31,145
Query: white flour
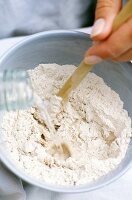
x,y
92,131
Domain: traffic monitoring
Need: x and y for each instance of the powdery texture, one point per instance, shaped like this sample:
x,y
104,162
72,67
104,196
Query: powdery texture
x,y
92,131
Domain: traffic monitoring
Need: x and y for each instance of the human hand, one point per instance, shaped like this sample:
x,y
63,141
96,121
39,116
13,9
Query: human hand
x,y
117,45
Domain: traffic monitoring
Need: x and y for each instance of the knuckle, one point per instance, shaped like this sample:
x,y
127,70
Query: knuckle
x,y
113,49
117,59
112,52
104,5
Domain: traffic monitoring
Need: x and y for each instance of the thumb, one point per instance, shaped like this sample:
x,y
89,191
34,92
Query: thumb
x,y
106,10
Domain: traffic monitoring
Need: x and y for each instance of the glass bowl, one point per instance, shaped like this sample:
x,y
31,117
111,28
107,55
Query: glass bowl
x,y
68,47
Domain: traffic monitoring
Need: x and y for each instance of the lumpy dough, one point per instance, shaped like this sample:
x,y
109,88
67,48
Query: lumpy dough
x,y
92,131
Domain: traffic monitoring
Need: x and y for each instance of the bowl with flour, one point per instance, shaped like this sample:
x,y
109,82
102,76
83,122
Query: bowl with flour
x,y
91,145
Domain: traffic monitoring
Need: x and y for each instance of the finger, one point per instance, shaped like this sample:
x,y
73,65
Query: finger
x,y
127,56
106,10
118,43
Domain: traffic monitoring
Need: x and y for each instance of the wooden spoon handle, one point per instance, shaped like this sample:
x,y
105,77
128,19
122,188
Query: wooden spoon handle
x,y
74,80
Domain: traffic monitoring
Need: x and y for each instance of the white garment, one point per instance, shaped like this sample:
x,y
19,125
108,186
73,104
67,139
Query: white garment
x,y
24,17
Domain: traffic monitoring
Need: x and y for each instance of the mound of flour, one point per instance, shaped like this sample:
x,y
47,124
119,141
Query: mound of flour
x,y
92,130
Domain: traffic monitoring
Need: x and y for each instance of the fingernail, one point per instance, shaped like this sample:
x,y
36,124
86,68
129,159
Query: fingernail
x,y
92,59
98,27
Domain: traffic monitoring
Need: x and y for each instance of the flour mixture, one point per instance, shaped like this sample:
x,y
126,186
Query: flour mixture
x,y
92,131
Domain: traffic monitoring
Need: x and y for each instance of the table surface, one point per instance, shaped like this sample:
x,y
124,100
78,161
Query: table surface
x,y
120,189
